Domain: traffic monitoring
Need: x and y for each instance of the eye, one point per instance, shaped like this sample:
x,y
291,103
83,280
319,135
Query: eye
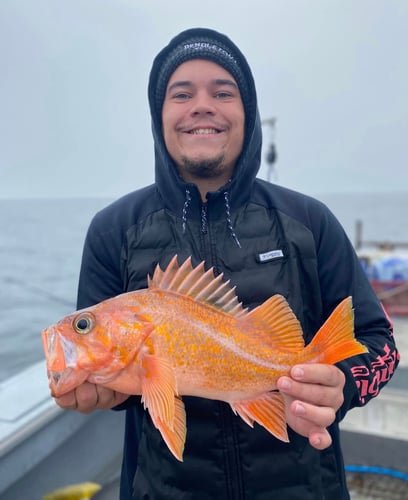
x,y
84,323
181,96
223,94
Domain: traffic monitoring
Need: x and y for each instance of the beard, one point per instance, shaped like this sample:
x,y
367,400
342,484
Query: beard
x,y
204,169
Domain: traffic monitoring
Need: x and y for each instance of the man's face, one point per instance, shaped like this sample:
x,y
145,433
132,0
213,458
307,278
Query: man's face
x,y
203,121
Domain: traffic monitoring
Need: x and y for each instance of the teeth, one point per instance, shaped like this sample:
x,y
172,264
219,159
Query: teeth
x,y
55,377
204,131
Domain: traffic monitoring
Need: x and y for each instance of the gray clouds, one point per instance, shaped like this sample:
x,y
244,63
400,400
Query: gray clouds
x,y
74,118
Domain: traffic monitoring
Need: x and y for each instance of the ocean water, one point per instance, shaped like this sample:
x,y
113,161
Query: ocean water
x,y
40,253
41,246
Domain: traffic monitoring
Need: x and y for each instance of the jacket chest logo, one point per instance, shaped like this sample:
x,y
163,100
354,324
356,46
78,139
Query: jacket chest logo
x,y
271,255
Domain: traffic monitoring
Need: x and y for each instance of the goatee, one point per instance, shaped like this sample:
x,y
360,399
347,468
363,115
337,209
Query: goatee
x,y
204,169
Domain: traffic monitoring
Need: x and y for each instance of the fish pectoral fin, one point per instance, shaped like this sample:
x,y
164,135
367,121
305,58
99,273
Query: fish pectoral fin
x,y
174,437
158,388
268,410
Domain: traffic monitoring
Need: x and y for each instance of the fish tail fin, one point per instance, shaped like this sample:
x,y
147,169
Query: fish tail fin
x,y
335,341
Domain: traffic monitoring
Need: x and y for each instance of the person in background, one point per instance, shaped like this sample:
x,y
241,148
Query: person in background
x,y
207,203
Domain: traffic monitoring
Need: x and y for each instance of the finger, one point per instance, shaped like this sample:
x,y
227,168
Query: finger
x,y
311,422
87,397
317,416
315,394
318,373
67,401
107,398
320,439
119,399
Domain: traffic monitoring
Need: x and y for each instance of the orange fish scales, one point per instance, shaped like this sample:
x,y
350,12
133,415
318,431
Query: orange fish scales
x,y
187,334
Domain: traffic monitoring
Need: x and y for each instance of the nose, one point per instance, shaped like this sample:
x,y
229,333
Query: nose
x,y
203,103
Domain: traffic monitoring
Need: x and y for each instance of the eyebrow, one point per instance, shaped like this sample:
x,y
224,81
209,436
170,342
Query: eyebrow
x,y
189,83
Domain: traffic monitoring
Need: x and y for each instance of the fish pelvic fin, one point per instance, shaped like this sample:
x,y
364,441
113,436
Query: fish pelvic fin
x,y
174,436
268,410
276,324
198,284
158,384
335,341
159,396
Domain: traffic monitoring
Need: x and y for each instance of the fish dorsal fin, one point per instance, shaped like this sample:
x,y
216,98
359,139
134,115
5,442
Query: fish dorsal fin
x,y
198,284
278,323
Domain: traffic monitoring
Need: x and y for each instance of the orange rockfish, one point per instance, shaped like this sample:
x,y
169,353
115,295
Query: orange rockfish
x,y
187,334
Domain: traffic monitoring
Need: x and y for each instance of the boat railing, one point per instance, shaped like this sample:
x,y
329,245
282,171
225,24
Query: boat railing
x,y
383,245
393,295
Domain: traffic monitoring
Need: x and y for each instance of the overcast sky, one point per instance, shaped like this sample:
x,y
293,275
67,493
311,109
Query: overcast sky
x,y
74,118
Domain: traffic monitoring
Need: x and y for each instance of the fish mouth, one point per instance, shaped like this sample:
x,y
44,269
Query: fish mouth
x,y
61,382
61,359
60,353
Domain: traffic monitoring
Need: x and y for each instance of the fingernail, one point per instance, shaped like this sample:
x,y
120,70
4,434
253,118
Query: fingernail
x,y
315,442
284,384
299,409
297,372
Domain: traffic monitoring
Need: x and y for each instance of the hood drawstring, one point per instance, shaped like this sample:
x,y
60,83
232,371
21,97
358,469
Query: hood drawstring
x,y
204,215
229,221
185,209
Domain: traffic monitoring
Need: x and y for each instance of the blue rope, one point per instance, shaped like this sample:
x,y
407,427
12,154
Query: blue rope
x,y
377,470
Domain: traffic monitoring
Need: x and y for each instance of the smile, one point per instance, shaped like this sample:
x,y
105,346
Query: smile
x,y
204,131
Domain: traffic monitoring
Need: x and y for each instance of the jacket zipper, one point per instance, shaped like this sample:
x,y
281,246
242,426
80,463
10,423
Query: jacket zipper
x,y
206,237
204,221
232,458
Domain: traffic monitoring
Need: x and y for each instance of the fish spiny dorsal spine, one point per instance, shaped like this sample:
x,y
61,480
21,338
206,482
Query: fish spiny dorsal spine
x,y
199,284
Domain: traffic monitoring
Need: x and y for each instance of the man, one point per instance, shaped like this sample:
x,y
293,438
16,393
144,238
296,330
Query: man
x,y
207,203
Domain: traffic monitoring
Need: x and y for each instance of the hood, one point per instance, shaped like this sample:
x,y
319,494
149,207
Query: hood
x,y
171,186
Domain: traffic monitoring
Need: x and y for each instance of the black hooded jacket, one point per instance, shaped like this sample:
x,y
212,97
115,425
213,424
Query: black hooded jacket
x,y
266,239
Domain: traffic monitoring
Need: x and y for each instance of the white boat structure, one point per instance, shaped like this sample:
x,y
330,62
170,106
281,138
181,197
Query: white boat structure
x,y
43,448
386,265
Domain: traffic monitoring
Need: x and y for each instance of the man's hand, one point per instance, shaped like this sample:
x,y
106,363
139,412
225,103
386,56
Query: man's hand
x,y
313,393
89,397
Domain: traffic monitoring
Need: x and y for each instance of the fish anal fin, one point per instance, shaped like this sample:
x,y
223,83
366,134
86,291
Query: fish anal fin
x,y
277,324
335,341
268,410
158,384
175,436
199,284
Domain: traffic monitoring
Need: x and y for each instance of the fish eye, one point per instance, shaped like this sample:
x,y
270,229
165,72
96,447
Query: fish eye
x,y
83,323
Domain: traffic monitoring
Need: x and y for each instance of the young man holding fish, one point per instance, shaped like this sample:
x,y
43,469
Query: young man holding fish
x,y
207,204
